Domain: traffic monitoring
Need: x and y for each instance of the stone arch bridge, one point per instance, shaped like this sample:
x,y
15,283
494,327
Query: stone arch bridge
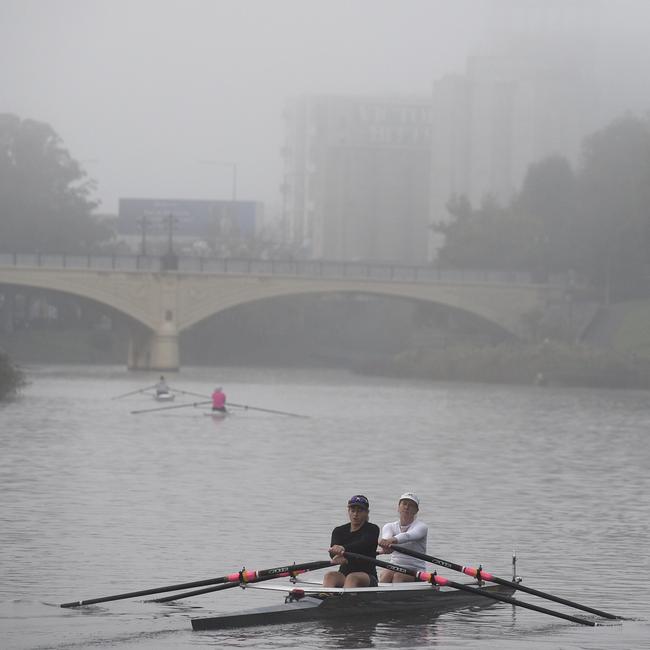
x,y
169,298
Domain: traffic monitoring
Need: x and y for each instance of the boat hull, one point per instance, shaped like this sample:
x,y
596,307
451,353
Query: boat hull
x,y
218,414
357,605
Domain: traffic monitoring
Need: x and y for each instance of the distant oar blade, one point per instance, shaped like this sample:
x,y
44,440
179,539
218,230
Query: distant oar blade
x,y
133,392
484,575
187,392
257,408
168,408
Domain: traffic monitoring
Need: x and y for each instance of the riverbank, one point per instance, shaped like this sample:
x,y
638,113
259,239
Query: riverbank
x,y
402,344
547,363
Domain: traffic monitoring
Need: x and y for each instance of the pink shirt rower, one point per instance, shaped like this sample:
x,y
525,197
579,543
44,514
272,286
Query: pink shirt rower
x,y
218,400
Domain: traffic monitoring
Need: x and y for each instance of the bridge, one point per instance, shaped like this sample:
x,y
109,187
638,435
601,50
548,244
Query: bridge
x,y
167,296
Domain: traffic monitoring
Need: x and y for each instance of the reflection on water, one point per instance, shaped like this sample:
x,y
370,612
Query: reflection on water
x,y
94,500
346,634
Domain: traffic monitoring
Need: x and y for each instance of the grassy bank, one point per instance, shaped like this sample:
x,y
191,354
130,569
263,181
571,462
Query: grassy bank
x,y
550,363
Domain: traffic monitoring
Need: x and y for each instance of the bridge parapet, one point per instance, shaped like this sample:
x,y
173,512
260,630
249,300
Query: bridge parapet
x,y
322,269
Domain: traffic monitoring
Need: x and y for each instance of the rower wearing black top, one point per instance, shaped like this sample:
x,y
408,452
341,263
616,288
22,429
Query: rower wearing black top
x,y
359,536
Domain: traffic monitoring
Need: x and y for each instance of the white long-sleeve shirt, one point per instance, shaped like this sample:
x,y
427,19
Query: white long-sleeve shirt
x,y
413,536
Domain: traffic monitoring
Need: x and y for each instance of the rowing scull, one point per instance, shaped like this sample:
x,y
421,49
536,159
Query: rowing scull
x,y
315,602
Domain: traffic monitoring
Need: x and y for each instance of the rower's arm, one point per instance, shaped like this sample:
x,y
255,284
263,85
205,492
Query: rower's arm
x,y
417,531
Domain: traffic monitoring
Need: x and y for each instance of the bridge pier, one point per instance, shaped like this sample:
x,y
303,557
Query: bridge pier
x,y
155,350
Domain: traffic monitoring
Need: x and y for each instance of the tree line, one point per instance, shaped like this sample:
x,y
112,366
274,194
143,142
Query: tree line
x,y
592,221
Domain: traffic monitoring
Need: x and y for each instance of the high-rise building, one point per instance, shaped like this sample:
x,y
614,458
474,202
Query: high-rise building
x,y
530,93
357,171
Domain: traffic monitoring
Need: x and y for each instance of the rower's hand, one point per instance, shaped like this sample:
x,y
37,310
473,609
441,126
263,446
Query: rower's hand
x,y
339,559
387,543
336,549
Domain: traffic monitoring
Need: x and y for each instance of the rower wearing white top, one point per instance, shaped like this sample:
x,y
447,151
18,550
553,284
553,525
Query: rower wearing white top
x,y
406,531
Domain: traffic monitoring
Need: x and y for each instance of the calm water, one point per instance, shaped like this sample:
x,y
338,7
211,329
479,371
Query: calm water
x,y
96,501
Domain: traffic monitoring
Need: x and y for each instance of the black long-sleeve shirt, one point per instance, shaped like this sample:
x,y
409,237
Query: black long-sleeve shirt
x,y
362,541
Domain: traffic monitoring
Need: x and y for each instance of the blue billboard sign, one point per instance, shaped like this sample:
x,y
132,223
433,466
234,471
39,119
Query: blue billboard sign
x,y
191,218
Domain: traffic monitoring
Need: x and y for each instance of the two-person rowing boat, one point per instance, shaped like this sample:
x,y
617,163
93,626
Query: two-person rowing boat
x,y
312,602
306,601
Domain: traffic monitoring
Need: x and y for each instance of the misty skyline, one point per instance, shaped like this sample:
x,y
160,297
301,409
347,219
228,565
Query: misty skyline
x,y
142,92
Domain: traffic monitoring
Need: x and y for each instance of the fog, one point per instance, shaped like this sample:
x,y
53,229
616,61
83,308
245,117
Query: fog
x,y
142,92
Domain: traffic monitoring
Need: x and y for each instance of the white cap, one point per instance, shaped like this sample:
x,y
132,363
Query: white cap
x,y
411,497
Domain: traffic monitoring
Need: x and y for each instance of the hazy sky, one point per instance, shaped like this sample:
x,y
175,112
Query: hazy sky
x,y
142,91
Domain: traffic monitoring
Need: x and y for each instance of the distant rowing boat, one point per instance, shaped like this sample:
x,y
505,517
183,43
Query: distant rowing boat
x,y
164,397
218,414
312,601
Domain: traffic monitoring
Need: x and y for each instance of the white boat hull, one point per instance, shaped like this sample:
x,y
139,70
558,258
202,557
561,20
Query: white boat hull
x,y
377,602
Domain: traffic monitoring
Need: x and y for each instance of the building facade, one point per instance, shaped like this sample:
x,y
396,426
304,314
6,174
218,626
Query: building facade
x,y
356,177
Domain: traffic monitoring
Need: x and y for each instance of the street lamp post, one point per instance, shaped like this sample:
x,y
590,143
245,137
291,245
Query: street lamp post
x,y
143,223
170,260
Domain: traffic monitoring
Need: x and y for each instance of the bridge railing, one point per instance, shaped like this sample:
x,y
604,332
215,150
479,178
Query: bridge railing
x,y
350,270
66,261
299,268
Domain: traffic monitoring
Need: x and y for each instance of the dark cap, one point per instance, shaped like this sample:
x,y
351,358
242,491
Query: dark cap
x,y
360,501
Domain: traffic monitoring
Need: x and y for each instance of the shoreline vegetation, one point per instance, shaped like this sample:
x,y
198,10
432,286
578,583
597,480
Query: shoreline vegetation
x,y
549,363
11,377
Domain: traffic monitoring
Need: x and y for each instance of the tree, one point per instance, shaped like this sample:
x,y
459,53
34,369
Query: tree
x,y
492,237
45,200
595,220
549,198
615,214
11,377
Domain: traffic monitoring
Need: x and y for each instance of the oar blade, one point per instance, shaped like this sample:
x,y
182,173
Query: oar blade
x,y
265,410
231,579
438,580
145,592
492,578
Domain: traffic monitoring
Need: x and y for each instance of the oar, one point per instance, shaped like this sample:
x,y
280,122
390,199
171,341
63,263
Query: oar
x,y
249,576
167,408
438,580
484,575
257,408
236,578
187,392
133,392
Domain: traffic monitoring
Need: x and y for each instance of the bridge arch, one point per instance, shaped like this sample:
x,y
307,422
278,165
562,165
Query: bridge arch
x,y
165,303
223,306
502,306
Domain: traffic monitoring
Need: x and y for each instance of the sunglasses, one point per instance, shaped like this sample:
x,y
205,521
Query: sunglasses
x,y
359,500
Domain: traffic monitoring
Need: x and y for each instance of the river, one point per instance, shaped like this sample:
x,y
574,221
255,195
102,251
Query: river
x,y
95,501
